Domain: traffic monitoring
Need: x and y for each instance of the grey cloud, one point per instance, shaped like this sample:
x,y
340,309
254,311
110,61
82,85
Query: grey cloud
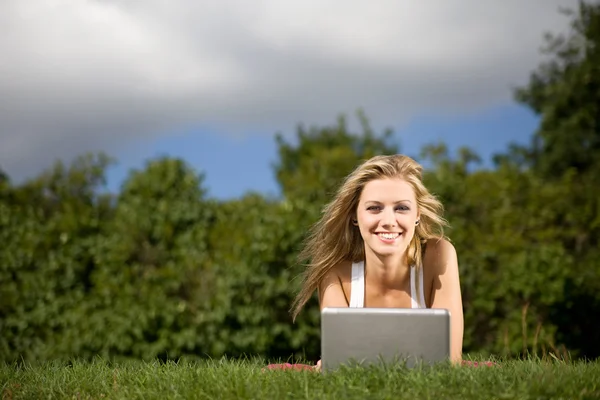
x,y
78,76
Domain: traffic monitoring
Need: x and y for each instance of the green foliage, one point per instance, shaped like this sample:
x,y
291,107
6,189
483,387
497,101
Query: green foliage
x,y
153,255
565,92
48,229
253,244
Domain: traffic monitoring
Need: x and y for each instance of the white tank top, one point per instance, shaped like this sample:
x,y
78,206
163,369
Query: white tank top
x,y
357,287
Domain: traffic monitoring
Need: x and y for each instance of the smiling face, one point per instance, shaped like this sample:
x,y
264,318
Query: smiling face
x,y
386,215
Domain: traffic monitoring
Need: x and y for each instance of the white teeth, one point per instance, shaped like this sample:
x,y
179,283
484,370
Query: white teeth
x,y
389,235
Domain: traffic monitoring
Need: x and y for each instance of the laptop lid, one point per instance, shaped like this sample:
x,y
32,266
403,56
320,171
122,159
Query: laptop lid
x,y
375,335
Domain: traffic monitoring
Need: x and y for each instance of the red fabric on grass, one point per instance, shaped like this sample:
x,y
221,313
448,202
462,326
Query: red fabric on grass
x,y
479,363
297,367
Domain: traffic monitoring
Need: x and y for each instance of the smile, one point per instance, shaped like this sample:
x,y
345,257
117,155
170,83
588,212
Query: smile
x,y
388,236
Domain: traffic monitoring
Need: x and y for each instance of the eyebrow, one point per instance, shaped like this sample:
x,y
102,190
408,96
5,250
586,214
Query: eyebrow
x,y
396,202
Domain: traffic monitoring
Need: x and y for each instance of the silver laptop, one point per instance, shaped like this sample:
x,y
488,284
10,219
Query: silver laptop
x,y
363,336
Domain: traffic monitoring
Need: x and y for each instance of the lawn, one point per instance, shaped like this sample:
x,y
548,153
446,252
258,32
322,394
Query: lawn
x,y
230,379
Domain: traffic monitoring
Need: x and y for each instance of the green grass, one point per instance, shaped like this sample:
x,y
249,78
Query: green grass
x,y
533,379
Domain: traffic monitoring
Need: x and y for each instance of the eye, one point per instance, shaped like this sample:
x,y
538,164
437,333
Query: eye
x,y
373,208
402,208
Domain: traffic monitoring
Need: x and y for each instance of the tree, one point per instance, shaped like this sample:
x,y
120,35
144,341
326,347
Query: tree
x,y
565,92
565,151
254,268
4,180
152,283
49,227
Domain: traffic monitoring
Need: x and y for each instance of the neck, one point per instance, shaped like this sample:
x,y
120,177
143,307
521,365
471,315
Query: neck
x,y
387,271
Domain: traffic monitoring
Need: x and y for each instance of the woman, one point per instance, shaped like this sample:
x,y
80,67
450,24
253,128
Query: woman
x,y
380,243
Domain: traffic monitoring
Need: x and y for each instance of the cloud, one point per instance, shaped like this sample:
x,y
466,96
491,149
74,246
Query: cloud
x,y
99,74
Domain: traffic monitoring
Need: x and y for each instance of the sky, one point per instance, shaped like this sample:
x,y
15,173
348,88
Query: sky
x,y
212,81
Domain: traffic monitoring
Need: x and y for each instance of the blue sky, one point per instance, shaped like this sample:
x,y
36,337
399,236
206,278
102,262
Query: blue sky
x,y
236,165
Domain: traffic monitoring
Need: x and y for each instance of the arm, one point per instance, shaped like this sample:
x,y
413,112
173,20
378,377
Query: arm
x,y
331,294
446,293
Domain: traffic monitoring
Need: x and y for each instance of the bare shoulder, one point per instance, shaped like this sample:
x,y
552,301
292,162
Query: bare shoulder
x,y
338,274
343,270
334,287
440,254
440,247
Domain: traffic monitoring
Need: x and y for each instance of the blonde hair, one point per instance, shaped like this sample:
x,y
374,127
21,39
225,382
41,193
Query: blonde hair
x,y
334,239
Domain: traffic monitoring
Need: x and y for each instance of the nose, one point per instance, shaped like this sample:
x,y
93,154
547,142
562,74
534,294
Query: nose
x,y
388,217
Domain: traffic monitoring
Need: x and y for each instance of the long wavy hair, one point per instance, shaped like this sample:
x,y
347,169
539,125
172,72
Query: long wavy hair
x,y
334,239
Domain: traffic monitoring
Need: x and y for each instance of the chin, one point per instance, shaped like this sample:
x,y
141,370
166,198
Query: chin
x,y
387,252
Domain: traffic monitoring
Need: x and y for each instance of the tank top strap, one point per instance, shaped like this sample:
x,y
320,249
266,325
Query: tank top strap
x,y
357,285
416,302
422,288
